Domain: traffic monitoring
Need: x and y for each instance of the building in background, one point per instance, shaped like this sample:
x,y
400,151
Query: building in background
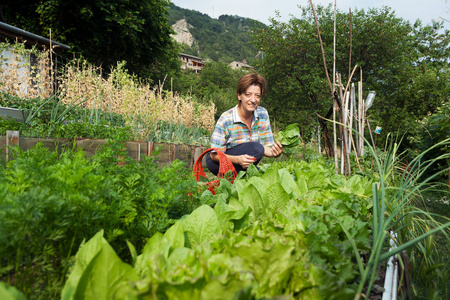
x,y
240,65
191,62
23,72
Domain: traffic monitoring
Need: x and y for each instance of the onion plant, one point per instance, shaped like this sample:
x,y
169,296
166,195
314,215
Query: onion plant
x,y
392,211
56,114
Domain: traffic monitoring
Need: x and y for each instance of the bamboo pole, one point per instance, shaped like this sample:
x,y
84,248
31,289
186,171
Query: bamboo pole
x,y
332,86
352,142
352,104
321,46
360,130
363,114
350,52
333,92
51,63
346,131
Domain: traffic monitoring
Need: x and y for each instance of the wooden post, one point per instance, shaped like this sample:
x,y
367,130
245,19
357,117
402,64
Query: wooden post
x,y
150,148
363,115
12,139
360,120
139,152
197,152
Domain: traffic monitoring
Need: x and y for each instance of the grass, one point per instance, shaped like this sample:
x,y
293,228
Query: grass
x,y
433,283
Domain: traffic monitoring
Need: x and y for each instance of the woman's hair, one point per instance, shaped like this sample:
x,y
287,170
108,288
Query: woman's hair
x,y
251,79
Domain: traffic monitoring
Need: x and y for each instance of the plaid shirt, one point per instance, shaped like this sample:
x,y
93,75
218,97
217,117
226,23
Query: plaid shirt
x,y
230,131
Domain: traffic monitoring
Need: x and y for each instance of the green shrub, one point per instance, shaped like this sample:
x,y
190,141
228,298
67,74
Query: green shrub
x,y
50,203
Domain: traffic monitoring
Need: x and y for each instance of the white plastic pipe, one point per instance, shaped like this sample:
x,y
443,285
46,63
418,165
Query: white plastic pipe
x,y
391,279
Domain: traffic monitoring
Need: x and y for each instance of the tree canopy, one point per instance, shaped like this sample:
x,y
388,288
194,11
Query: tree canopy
x,y
406,64
104,32
225,39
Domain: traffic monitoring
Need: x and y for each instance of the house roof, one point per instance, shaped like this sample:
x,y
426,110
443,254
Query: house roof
x,y
238,64
29,38
192,57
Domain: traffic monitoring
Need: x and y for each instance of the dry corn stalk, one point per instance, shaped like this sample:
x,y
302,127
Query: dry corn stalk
x,y
25,73
141,104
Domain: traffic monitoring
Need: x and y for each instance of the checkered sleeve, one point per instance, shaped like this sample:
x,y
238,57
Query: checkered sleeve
x,y
265,135
268,134
218,136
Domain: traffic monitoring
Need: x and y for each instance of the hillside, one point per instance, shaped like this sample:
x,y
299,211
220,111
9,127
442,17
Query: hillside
x,y
225,39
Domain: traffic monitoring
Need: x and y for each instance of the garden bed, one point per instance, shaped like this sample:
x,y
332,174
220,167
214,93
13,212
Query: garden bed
x,y
165,155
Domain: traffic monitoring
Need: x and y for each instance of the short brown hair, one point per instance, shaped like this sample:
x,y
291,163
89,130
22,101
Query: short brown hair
x,y
251,79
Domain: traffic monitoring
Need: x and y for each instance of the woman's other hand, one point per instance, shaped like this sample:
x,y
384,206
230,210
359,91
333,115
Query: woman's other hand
x,y
275,150
245,160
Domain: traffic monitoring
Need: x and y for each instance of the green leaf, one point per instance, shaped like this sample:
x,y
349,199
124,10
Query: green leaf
x,y
179,256
200,226
302,186
132,252
99,273
254,196
277,197
175,235
241,217
10,293
224,214
83,257
106,277
290,136
157,244
288,183
271,175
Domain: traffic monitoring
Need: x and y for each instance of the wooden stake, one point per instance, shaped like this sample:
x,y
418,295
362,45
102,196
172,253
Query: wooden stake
x,y
334,91
363,115
12,139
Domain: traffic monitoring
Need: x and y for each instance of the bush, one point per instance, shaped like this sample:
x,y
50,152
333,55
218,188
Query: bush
x,y
50,203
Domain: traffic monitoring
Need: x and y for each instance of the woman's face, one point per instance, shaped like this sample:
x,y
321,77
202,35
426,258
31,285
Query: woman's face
x,y
250,98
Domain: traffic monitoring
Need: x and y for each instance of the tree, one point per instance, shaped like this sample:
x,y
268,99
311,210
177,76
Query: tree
x,y
104,32
216,83
225,39
428,132
389,50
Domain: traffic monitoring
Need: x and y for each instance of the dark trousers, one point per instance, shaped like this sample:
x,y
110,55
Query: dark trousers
x,y
254,149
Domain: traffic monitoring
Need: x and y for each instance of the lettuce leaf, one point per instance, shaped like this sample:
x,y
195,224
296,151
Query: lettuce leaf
x,y
290,136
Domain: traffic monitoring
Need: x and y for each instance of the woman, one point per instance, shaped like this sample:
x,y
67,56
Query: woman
x,y
243,133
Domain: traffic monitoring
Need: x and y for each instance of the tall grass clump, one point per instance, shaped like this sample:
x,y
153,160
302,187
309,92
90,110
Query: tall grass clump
x,y
395,213
141,105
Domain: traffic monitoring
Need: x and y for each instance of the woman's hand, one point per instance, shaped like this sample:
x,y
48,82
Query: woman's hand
x,y
275,150
245,160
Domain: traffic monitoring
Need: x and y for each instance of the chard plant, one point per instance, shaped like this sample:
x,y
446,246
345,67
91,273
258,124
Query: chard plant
x,y
271,233
297,230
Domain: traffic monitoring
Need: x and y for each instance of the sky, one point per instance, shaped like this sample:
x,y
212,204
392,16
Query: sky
x,y
262,10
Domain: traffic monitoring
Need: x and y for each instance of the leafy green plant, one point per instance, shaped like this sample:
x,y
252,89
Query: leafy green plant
x,y
50,202
168,132
391,211
429,131
269,234
289,137
51,118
